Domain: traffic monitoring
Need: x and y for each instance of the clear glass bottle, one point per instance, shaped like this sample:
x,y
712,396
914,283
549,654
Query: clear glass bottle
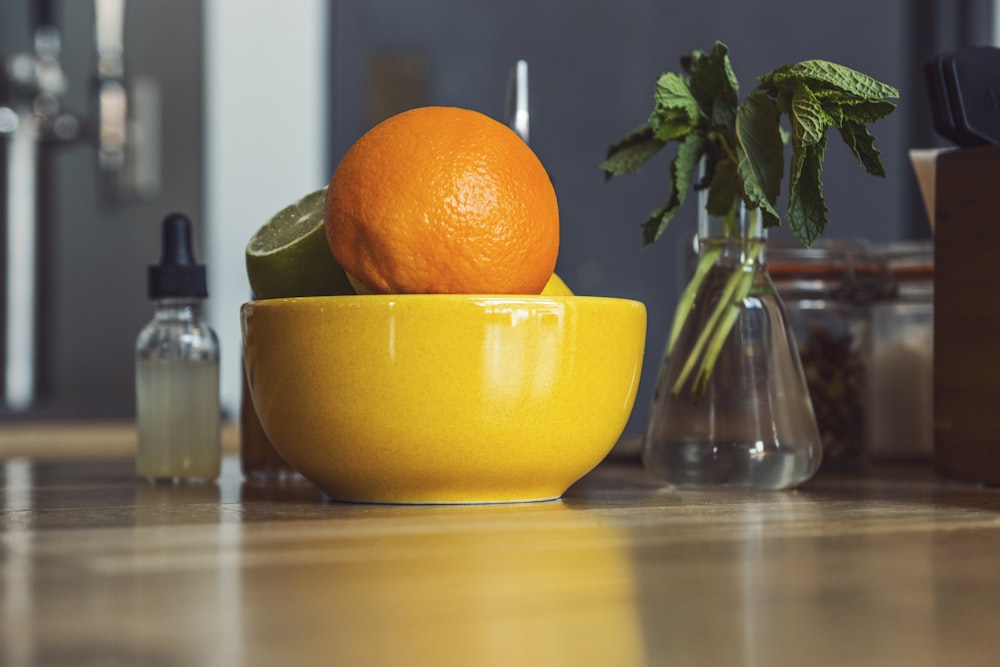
x,y
752,426
178,415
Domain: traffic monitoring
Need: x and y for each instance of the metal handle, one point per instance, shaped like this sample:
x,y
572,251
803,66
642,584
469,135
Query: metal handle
x,y
516,114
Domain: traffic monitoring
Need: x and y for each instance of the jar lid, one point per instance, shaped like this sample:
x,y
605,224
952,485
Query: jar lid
x,y
911,264
910,259
846,270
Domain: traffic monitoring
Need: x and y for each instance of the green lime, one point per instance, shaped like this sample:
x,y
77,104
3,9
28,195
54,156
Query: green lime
x,y
289,256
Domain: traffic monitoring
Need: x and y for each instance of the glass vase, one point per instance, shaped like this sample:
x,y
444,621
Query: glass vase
x,y
731,406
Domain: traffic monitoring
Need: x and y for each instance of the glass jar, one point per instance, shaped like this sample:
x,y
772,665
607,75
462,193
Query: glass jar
x,y
259,461
901,424
828,291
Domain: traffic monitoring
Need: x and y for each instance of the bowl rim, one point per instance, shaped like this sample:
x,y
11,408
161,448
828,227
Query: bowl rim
x,y
483,299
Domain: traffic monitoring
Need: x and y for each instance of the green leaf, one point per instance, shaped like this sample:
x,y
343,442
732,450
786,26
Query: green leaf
x,y
783,100
682,174
832,75
724,189
808,120
676,112
840,108
685,166
760,151
743,150
867,111
631,152
714,85
806,214
862,144
777,76
657,222
743,144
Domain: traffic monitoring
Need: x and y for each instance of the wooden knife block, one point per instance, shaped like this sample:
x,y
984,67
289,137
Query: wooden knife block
x,y
967,315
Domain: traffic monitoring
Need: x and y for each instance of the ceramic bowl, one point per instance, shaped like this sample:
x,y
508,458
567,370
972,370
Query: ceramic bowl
x,y
443,398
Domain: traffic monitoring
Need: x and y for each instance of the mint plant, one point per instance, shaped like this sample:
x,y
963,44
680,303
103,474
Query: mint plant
x,y
742,148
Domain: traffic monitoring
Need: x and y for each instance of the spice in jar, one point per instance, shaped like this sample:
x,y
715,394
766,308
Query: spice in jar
x,y
827,291
835,375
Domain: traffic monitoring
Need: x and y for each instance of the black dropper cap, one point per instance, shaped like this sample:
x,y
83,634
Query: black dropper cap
x,y
177,274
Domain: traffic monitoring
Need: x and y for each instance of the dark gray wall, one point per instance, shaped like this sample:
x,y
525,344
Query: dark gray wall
x,y
593,64
592,67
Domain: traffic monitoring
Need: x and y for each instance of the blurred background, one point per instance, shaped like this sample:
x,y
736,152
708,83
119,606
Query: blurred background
x,y
114,113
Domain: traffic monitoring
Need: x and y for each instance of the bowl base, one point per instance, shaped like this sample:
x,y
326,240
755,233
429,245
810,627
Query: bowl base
x,y
484,501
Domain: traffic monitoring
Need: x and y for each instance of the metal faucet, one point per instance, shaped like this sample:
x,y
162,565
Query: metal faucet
x,y
112,98
31,89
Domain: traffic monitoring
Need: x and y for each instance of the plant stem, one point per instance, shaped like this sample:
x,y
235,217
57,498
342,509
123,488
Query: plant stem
x,y
713,336
706,333
705,263
726,323
746,273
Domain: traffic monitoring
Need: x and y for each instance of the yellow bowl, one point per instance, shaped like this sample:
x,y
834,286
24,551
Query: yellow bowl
x,y
443,398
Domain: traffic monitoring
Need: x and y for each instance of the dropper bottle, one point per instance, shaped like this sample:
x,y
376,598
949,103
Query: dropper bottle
x,y
177,368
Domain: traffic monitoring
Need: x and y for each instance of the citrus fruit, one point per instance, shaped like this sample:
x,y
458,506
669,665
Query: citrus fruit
x,y
443,200
289,254
556,287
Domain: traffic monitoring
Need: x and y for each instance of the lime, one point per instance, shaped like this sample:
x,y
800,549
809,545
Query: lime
x,y
556,287
289,256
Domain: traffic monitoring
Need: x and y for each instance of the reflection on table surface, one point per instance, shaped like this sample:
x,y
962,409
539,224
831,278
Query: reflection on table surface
x,y
887,567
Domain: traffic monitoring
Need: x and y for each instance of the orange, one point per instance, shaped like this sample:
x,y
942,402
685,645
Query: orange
x,y
443,200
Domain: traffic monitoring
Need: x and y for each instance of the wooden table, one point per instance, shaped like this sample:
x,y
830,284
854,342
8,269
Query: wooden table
x,y
891,567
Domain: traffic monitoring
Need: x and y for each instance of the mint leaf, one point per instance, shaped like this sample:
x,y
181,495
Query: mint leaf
x,y
676,111
867,111
806,215
682,174
743,144
832,75
714,85
840,107
760,153
724,190
657,222
631,152
782,99
808,120
862,144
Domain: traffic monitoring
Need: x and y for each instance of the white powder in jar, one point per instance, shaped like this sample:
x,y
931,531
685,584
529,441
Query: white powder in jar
x,y
901,419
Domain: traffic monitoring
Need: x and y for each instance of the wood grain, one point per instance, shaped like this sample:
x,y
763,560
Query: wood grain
x,y
888,567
